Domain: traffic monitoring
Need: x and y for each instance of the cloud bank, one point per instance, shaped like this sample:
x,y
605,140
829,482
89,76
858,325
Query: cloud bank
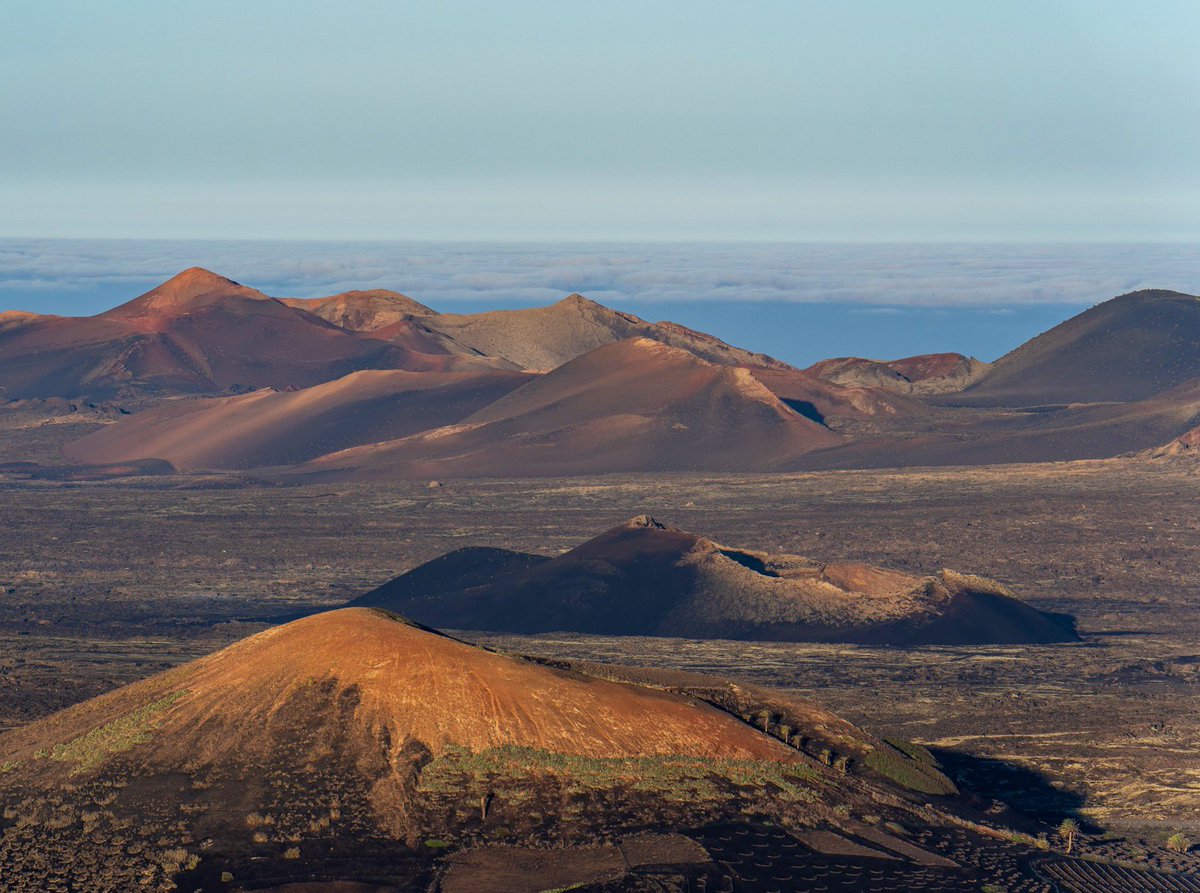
x,y
69,276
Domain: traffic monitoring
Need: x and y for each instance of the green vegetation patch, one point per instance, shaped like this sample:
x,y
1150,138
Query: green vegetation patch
x,y
121,734
9,766
914,751
916,775
679,778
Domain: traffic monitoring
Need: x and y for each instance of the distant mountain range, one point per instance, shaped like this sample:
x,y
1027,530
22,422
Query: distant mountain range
x,y
213,375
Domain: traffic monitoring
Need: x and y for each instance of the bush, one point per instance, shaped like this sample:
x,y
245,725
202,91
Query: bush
x,y
1179,842
914,751
909,773
173,860
463,773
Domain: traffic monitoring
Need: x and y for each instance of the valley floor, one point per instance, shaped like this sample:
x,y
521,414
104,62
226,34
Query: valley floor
x,y
104,583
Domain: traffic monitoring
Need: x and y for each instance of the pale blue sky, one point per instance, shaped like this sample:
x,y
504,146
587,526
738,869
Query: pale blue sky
x,y
870,120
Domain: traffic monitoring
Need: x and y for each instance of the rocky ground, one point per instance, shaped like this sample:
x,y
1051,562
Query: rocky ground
x,y
104,583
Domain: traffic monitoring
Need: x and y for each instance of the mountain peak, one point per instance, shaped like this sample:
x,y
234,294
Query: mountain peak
x,y
195,281
1153,294
362,311
183,290
576,300
646,521
198,276
1131,347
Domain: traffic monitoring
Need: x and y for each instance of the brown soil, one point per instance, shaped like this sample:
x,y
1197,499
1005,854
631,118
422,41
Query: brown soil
x,y
519,870
405,684
271,427
1129,348
636,404
544,338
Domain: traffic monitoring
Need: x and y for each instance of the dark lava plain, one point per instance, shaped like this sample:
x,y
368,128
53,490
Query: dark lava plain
x,y
105,583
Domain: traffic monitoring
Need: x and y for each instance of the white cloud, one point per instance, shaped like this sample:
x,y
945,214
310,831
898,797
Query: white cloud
x,y
34,272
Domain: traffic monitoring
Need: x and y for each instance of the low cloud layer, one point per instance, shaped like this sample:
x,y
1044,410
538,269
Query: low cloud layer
x,y
71,276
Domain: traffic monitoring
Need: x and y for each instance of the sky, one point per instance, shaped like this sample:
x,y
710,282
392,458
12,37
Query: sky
x,y
777,120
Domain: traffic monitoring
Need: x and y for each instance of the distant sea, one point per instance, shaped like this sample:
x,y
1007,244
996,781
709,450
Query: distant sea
x,y
797,302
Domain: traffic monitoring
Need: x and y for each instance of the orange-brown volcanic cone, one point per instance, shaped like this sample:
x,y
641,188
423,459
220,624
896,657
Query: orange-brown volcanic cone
x,y
362,311
634,405
281,427
404,684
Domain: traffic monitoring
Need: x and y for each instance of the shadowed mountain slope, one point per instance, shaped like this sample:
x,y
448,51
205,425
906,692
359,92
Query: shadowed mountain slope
x,y
818,399
643,578
270,427
1185,446
1053,434
1129,348
632,405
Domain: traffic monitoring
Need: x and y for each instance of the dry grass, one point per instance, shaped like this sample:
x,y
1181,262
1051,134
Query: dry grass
x,y
915,774
684,779
92,749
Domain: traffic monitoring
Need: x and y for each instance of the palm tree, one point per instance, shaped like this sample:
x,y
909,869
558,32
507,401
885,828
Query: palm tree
x,y
1067,829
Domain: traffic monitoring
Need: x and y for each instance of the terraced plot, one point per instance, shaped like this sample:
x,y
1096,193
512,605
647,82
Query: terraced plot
x,y
1096,877
760,858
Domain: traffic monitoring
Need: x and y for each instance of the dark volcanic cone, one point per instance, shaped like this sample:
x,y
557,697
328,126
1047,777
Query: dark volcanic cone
x,y
644,578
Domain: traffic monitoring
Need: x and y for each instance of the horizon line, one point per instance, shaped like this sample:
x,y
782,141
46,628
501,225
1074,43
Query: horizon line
x,y
611,240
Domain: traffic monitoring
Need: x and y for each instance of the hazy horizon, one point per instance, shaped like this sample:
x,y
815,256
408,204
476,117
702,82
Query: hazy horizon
x,y
798,302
